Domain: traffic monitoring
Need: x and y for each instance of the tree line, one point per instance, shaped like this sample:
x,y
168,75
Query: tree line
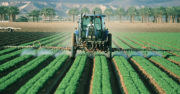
x,y
10,12
47,14
171,14
157,15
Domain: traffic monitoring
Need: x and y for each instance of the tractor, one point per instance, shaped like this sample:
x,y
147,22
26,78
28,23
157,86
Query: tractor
x,y
91,35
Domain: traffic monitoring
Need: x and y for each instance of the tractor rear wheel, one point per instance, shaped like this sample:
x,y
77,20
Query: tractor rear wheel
x,y
110,45
73,49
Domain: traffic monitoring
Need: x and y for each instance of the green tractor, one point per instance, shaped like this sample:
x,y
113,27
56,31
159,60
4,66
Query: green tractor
x,y
91,35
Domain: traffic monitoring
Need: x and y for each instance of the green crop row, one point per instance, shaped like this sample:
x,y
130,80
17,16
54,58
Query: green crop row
x,y
101,81
152,45
159,45
121,44
160,77
167,64
175,58
131,79
13,62
70,82
43,41
20,72
164,38
22,37
3,57
143,39
37,82
129,42
144,43
29,43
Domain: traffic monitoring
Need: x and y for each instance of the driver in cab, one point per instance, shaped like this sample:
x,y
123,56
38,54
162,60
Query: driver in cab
x,y
90,28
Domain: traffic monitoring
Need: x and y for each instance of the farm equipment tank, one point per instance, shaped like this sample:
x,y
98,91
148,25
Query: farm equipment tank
x,y
91,35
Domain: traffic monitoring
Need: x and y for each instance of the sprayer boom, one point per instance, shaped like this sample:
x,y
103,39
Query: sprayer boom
x,y
148,49
69,49
35,47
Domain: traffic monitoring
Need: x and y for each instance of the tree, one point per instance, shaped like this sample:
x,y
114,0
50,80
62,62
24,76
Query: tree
x,y
120,12
108,12
44,13
148,13
97,10
162,11
48,13
156,13
73,12
144,12
132,12
3,12
85,10
171,12
12,11
175,14
35,14
178,14
51,13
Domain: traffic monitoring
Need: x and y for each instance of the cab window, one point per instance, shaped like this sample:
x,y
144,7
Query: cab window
x,y
98,23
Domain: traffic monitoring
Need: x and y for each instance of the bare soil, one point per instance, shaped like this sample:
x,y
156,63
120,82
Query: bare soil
x,y
143,27
112,26
41,27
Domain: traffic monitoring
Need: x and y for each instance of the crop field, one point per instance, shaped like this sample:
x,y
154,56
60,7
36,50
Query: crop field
x,y
48,71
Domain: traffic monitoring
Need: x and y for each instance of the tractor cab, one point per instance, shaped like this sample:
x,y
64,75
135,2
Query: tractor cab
x,y
92,35
92,27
